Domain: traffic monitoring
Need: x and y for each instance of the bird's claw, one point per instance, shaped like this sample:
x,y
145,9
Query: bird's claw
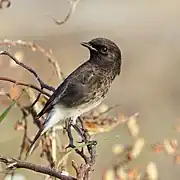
x,y
70,146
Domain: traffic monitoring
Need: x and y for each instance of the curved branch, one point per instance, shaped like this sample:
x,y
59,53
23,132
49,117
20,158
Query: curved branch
x,y
24,84
5,4
14,163
37,48
42,84
73,4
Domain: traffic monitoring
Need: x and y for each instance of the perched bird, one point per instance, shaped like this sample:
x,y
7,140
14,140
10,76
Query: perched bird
x,y
85,88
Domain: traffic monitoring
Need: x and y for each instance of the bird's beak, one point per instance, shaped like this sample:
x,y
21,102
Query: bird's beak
x,y
89,46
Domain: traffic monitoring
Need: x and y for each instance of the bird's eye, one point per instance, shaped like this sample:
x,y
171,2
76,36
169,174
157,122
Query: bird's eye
x,y
104,49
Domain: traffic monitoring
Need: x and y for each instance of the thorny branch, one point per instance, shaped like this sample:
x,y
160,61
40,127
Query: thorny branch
x,y
14,163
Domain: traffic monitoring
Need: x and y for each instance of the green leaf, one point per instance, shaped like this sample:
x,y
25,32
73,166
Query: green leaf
x,y
6,111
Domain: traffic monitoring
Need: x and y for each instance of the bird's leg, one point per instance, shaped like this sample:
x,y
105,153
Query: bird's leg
x,y
84,134
79,128
91,144
68,129
83,125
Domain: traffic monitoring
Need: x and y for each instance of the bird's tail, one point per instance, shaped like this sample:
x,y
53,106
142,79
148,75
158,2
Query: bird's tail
x,y
31,148
48,123
53,117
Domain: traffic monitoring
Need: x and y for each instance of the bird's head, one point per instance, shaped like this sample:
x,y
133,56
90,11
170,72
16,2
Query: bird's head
x,y
105,53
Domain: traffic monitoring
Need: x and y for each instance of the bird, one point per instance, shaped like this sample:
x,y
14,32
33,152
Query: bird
x,y
85,88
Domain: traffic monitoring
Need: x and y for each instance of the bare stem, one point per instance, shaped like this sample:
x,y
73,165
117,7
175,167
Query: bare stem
x,y
24,84
73,4
14,163
42,84
37,48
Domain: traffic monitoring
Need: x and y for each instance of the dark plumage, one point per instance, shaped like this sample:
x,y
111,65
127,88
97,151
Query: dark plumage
x,y
84,88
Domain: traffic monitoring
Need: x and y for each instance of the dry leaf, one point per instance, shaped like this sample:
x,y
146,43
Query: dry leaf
x,y
133,126
158,148
117,149
14,92
132,173
109,175
102,108
152,171
137,148
177,159
174,143
121,173
168,147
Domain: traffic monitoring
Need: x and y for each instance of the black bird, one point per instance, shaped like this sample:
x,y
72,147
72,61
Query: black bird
x,y
85,88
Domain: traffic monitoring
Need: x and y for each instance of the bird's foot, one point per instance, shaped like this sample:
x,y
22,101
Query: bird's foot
x,y
70,145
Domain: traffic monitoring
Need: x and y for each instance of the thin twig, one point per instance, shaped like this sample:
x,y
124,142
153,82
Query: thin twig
x,y
25,137
24,84
42,84
72,7
54,146
71,144
37,48
14,163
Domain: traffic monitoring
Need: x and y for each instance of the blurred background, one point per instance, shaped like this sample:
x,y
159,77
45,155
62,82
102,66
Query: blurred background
x,y
148,33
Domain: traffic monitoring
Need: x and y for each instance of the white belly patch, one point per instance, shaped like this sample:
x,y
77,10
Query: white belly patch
x,y
59,113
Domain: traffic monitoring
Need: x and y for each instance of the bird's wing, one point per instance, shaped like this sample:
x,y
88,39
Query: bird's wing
x,y
75,88
53,99
82,87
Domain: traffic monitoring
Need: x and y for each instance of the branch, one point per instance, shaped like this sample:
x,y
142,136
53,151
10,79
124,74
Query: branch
x,y
37,48
83,170
73,4
5,4
24,84
14,163
42,84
